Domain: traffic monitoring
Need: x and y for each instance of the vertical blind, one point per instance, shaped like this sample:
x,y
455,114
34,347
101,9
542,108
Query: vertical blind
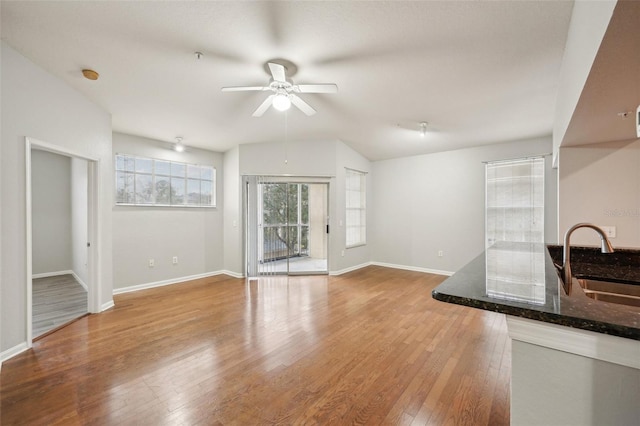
x,y
268,231
515,215
515,201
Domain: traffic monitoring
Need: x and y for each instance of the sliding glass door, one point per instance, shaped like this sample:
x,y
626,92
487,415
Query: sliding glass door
x,y
287,227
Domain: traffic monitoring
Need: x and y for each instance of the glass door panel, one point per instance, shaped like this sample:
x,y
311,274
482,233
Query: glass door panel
x,y
292,228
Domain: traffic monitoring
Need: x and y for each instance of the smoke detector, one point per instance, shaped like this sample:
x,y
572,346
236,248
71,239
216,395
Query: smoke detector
x,y
90,74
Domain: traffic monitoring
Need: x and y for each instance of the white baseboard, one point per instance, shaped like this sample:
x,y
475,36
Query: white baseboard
x,y
172,281
413,268
107,305
52,274
11,352
350,269
230,273
391,265
82,283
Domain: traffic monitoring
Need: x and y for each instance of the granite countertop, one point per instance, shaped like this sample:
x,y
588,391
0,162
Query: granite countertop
x,y
520,279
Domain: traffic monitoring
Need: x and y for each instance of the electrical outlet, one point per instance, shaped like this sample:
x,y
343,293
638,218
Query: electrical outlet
x,y
175,260
152,263
342,253
440,253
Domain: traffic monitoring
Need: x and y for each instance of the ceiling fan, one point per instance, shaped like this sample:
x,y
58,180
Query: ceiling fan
x,y
284,91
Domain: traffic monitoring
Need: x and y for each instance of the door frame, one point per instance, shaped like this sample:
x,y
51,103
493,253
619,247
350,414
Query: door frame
x,y
322,180
93,220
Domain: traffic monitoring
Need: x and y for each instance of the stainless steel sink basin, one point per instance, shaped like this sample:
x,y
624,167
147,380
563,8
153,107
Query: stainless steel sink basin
x,y
607,291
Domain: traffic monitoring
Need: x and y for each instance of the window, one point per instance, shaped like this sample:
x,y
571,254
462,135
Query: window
x,y
356,220
515,201
145,181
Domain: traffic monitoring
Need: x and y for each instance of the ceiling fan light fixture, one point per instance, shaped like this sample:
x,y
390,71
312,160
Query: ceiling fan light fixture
x,y
281,102
178,147
423,129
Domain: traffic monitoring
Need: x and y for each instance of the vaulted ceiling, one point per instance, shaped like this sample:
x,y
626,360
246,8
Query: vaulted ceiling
x,y
478,72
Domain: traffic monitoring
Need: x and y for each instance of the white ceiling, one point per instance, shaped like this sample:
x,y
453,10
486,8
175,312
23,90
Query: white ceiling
x,y
613,84
479,72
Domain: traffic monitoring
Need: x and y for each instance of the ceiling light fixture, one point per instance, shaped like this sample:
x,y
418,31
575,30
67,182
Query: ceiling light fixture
x,y
423,129
281,101
178,147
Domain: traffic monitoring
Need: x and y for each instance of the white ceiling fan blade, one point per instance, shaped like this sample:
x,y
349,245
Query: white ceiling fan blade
x,y
302,105
277,71
316,88
263,106
244,88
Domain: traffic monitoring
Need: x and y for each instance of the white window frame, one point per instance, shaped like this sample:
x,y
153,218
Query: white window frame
x,y
355,201
185,176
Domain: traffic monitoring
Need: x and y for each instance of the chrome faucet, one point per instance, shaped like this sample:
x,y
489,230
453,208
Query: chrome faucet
x,y
605,247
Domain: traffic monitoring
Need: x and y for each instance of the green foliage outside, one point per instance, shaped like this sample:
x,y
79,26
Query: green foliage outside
x,y
280,219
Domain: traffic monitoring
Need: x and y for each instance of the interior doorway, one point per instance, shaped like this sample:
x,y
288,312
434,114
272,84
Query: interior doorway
x,y
287,226
62,283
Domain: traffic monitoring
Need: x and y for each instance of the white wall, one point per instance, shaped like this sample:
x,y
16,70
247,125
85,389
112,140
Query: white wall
x,y
589,22
39,105
79,215
600,183
51,207
291,158
233,220
309,159
434,202
194,235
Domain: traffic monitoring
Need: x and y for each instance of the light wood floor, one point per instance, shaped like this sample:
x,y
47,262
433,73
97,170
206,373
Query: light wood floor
x,y
56,301
369,347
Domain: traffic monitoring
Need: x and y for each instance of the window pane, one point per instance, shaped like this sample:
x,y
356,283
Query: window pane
x,y
163,190
304,244
124,188
207,173
120,162
292,240
178,169
193,171
129,164
144,189
304,204
150,181
162,167
274,197
143,165
177,191
193,191
293,203
205,191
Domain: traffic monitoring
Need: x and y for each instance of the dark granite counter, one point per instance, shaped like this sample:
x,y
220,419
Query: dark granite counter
x,y
520,279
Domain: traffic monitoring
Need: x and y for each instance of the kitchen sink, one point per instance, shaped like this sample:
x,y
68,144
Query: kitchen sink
x,y
613,292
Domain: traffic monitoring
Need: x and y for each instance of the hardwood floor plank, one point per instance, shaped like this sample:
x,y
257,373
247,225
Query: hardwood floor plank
x,y
367,347
56,301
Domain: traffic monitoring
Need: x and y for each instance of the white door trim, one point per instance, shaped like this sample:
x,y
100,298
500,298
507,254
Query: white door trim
x,y
93,220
